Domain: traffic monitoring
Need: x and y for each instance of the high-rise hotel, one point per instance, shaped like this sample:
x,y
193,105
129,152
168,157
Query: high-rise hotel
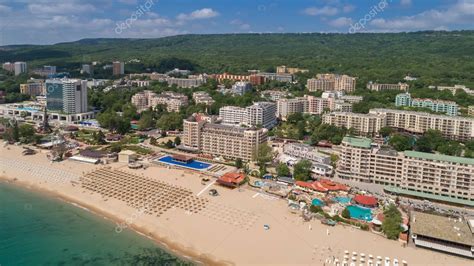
x,y
201,134
68,96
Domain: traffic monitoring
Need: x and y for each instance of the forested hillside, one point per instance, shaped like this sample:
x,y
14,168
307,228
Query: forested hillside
x,y
445,58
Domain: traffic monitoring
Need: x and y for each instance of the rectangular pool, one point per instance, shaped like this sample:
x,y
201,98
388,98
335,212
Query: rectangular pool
x,y
193,164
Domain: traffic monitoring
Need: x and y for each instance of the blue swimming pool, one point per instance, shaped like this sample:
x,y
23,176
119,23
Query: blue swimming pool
x,y
343,200
193,164
317,202
360,213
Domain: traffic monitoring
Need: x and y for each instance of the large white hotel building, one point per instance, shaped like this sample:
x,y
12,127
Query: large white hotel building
x,y
427,175
201,134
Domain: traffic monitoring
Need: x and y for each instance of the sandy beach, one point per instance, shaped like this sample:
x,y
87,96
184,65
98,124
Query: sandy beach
x,y
227,229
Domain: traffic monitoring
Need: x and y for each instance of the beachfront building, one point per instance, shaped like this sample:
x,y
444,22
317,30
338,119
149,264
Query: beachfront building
x,y
148,99
66,95
331,82
433,176
444,234
455,128
260,114
293,152
306,152
205,136
373,86
448,107
202,97
286,107
362,124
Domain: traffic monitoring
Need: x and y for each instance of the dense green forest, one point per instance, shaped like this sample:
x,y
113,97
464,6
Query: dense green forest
x,y
440,58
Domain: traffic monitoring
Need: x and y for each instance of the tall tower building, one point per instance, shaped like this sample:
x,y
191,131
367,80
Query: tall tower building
x,y
118,68
66,95
20,68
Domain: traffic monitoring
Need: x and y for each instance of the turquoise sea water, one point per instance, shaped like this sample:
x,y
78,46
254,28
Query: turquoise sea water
x,y
38,230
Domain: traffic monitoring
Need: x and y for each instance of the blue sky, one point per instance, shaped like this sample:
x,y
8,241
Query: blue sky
x,y
52,21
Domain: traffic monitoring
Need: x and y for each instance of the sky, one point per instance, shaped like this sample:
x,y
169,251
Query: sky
x,y
53,21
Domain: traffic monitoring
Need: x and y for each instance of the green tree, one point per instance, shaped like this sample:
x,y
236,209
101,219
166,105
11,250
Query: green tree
x,y
177,141
345,213
99,137
430,141
169,144
283,170
400,142
238,163
264,154
153,141
146,120
26,133
302,170
386,131
392,220
170,121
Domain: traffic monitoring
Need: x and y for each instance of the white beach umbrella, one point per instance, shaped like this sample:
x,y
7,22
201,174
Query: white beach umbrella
x,y
346,251
370,263
379,258
354,253
371,256
405,263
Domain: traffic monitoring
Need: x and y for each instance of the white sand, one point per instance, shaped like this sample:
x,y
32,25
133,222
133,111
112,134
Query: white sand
x,y
228,231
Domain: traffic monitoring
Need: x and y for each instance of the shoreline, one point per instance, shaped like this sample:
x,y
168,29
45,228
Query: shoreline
x,y
224,230
169,247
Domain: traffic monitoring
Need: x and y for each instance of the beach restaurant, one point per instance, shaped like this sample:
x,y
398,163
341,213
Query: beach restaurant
x,y
232,180
366,201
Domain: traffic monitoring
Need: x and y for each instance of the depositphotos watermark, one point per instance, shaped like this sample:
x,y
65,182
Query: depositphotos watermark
x,y
376,9
141,10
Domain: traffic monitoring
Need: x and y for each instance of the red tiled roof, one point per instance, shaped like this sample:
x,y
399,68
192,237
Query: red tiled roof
x,y
365,200
231,178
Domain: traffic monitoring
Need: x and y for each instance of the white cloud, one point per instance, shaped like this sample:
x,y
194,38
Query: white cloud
x,y
324,11
340,22
66,8
348,8
204,13
405,2
128,2
461,13
5,9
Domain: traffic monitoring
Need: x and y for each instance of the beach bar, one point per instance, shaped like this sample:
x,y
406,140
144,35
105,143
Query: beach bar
x,y
232,180
366,201
444,234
